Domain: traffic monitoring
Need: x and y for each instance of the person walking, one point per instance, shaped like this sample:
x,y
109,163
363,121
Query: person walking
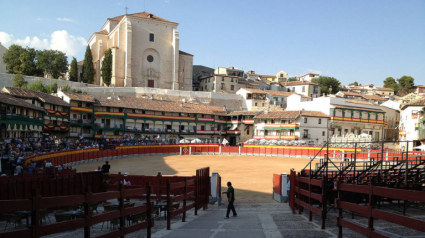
x,y
231,198
105,168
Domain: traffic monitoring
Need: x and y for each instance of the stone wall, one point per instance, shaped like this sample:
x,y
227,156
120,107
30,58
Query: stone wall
x,y
6,81
230,101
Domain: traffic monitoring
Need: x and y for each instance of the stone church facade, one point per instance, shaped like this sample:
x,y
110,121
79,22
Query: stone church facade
x,y
145,52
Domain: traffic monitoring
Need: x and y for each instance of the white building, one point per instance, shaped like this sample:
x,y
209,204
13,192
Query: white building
x,y
2,64
254,99
305,88
291,125
412,124
145,52
308,77
346,117
392,119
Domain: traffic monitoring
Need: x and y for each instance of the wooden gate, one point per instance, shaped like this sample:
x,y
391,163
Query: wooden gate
x,y
202,188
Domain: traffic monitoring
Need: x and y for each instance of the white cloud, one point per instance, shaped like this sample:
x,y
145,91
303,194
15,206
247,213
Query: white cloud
x,y
5,39
59,40
63,41
66,19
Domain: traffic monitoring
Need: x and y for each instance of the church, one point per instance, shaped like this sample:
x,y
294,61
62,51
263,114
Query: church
x,y
145,52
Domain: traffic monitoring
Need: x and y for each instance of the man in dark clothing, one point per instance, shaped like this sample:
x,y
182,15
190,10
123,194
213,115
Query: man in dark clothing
x,y
106,167
231,198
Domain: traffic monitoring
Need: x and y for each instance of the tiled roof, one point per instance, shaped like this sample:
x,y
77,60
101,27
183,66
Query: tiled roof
x,y
363,89
158,105
313,114
145,15
102,32
359,102
279,93
11,100
79,97
357,108
373,97
417,102
280,114
252,90
27,93
184,53
384,89
267,76
350,94
295,83
244,113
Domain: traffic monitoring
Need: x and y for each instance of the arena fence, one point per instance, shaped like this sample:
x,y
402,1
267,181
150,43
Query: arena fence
x,y
373,177
36,204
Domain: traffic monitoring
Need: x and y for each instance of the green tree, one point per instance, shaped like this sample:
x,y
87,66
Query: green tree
x,y
292,79
73,72
390,82
326,82
355,83
37,86
406,84
51,88
12,58
53,62
107,67
66,88
18,81
28,65
88,68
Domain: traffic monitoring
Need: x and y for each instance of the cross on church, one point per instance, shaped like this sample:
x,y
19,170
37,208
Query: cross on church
x,y
126,10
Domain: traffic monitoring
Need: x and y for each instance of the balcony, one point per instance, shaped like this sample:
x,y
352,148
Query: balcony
x,y
161,117
57,113
51,127
19,118
81,121
306,136
357,120
279,126
158,130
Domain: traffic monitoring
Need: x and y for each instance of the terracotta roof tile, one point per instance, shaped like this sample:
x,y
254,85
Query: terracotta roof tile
x,y
384,89
357,108
102,32
280,114
295,83
79,97
145,15
158,105
252,90
313,114
373,97
11,100
417,102
280,93
243,113
359,102
184,53
27,93
350,94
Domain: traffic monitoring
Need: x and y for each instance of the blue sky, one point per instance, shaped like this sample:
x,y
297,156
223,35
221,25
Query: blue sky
x,y
364,41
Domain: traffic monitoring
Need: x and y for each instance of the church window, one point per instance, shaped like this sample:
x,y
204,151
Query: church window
x,y
151,37
150,58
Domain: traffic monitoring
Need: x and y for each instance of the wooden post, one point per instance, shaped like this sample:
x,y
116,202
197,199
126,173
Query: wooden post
x,y
370,207
310,213
196,192
87,213
324,201
339,208
168,206
149,212
35,213
121,204
184,200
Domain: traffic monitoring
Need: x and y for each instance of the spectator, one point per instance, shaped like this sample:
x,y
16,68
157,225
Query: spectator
x,y
19,169
48,164
33,164
60,168
105,168
127,183
15,173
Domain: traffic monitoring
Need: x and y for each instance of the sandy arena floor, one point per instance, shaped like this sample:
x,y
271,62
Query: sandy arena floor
x,y
251,176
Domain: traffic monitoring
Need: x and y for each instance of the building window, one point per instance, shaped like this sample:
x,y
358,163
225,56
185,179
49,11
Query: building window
x,y
320,121
150,58
232,87
255,104
222,85
222,78
281,75
231,80
305,119
236,80
293,89
303,89
202,128
151,37
323,133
